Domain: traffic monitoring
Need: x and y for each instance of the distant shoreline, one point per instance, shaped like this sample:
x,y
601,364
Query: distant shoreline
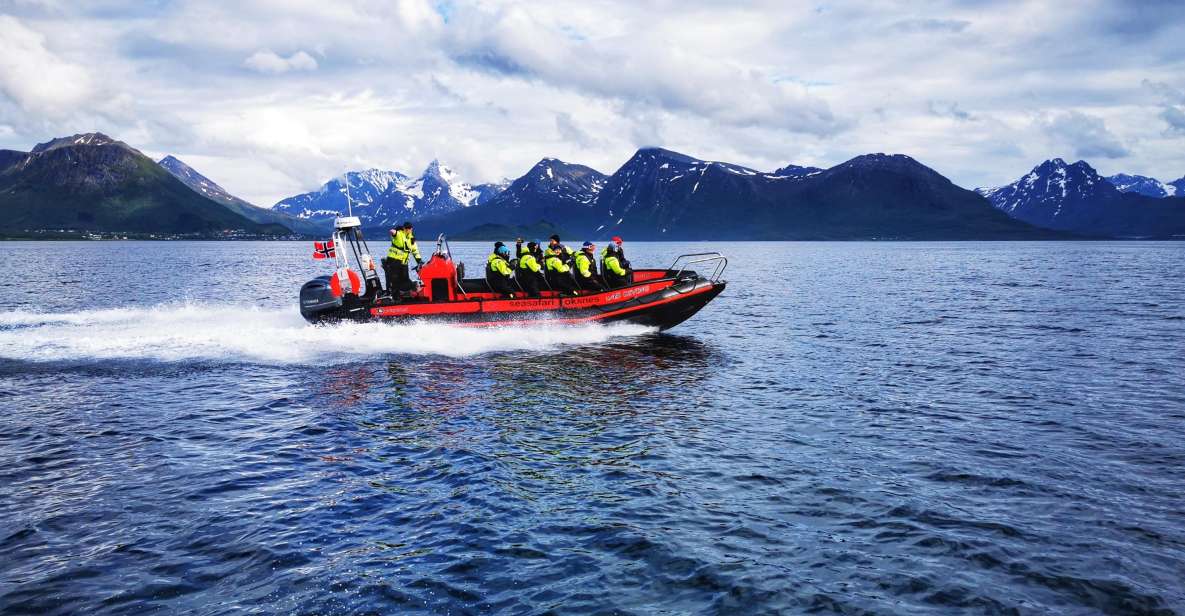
x,y
817,240
59,236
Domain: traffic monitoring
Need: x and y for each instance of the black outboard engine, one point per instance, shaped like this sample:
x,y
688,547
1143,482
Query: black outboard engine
x,y
317,300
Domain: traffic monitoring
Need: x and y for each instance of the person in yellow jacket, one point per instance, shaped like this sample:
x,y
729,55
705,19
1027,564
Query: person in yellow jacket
x,y
530,272
559,275
616,272
403,247
585,263
499,274
565,252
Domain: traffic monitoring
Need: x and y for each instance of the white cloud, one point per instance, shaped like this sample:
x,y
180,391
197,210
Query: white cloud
x,y
35,77
671,70
1174,117
268,61
491,87
1085,134
570,130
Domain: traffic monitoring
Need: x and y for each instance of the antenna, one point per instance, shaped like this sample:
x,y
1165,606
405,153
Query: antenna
x,y
349,204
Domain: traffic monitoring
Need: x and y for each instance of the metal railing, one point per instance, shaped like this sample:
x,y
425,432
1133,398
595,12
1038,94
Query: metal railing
x,y
687,260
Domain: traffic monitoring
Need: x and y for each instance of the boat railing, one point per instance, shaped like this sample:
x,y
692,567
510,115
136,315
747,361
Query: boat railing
x,y
683,262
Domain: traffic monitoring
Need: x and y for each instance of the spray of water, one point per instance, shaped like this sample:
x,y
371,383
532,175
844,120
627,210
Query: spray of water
x,y
187,332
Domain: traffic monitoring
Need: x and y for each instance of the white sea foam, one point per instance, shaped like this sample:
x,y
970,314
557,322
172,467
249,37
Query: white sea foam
x,y
186,332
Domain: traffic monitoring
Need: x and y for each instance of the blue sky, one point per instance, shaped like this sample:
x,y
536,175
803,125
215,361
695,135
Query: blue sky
x,y
272,97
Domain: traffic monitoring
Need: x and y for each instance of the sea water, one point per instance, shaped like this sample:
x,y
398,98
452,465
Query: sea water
x,y
850,427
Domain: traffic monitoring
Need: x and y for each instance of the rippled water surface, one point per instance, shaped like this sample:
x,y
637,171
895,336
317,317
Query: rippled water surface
x,y
890,428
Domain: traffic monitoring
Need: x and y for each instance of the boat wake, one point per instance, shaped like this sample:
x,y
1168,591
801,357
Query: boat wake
x,y
213,332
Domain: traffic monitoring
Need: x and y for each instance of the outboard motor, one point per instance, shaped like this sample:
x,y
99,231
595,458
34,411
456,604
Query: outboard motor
x,y
317,299
339,295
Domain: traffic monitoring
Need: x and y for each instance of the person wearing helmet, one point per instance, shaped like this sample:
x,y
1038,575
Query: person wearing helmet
x,y
499,273
585,266
617,273
529,272
403,246
559,275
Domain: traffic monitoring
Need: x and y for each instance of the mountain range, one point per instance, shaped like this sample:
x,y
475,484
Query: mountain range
x,y
659,194
1149,187
93,183
387,198
1076,199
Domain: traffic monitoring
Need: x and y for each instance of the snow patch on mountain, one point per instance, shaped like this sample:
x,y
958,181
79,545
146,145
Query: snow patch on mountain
x,y
1144,185
1053,191
384,198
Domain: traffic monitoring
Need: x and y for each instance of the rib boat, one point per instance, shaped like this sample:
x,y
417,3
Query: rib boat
x,y
661,298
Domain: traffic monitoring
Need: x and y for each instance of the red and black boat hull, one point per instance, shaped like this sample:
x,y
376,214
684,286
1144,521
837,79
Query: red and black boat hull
x,y
659,301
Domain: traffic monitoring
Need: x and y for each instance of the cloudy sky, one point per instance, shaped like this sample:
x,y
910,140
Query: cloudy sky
x,y
272,97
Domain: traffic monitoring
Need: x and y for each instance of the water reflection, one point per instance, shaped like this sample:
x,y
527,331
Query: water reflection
x,y
342,387
531,424
589,384
612,377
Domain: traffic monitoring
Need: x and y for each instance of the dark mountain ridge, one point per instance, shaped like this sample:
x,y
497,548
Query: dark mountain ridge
x,y
93,183
551,192
661,194
1144,185
1075,198
211,190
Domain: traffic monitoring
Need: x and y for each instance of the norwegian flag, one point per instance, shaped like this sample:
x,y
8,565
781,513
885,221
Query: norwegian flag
x,y
323,250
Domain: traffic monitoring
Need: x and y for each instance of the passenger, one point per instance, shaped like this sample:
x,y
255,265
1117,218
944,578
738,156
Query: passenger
x,y
519,249
529,272
617,274
559,275
498,271
566,252
585,264
403,245
620,252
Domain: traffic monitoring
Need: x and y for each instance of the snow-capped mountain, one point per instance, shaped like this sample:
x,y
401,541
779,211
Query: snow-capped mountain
x,y
386,198
553,180
660,194
552,190
439,191
664,194
1075,198
1144,185
366,194
1051,190
95,139
657,192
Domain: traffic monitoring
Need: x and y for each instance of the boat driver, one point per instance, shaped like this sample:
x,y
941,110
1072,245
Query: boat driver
x,y
403,246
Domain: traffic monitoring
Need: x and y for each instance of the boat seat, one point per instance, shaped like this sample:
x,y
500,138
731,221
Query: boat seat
x,y
475,285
